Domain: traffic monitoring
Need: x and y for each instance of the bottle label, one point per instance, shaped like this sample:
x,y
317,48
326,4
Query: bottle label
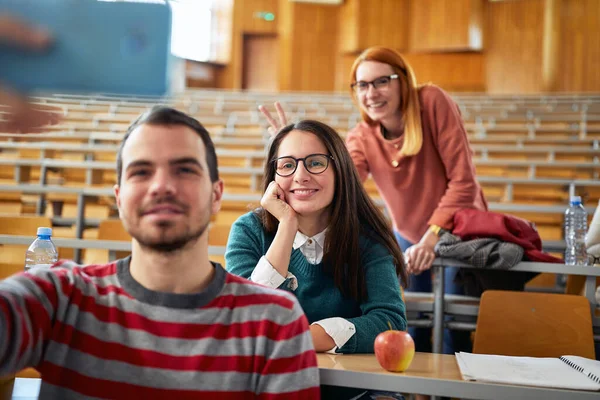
x,y
42,266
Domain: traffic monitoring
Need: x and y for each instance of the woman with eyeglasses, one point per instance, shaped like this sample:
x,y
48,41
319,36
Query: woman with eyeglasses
x,y
319,236
413,143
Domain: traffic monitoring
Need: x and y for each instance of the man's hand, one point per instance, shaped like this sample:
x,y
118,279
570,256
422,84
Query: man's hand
x,y
17,113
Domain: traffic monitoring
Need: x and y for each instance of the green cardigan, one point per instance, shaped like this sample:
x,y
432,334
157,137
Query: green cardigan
x,y
316,291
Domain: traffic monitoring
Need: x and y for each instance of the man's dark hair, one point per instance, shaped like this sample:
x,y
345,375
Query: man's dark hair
x,y
161,115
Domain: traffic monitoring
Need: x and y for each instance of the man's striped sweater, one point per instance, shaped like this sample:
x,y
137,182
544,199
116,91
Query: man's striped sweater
x,y
95,332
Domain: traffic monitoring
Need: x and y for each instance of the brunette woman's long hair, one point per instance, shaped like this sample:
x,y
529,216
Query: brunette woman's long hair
x,y
353,214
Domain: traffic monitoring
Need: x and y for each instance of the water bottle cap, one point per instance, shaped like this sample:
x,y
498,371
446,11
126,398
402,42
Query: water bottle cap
x,y
575,200
44,231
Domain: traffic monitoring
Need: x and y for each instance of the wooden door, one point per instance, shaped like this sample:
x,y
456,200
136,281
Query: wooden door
x,y
261,63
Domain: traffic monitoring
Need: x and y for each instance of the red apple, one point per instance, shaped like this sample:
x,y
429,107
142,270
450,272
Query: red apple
x,y
394,350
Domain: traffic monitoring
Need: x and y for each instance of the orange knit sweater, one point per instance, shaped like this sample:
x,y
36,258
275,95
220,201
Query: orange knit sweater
x,y
427,188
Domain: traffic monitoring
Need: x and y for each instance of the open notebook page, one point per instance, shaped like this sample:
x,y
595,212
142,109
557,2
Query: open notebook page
x,y
590,368
528,371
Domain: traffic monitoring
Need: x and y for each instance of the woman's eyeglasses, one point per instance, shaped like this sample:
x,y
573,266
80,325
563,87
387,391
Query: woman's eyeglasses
x,y
383,82
314,163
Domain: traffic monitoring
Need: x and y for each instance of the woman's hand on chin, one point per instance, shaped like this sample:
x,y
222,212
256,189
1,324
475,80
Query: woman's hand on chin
x,y
275,203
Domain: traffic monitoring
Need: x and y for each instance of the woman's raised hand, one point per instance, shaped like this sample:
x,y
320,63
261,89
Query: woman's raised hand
x,y
275,126
274,202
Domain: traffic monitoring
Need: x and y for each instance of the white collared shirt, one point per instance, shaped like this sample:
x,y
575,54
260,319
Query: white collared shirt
x,y
340,329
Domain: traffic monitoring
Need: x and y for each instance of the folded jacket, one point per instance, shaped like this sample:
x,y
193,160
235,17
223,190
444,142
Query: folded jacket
x,y
492,257
481,253
472,224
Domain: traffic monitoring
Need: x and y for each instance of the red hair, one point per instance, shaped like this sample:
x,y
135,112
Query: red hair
x,y
409,95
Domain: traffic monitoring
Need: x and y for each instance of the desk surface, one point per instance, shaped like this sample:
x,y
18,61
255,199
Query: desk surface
x,y
433,374
528,266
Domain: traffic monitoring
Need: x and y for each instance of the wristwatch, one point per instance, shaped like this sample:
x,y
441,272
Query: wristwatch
x,y
436,229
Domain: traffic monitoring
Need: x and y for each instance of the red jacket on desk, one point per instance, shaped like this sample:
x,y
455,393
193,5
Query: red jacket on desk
x,y
471,224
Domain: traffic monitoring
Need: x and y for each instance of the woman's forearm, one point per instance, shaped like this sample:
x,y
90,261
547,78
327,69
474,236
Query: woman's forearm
x,y
430,238
280,251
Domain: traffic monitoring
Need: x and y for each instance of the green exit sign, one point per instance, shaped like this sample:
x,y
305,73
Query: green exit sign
x,y
267,16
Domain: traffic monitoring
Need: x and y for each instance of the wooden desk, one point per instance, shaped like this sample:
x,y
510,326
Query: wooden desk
x,y
431,374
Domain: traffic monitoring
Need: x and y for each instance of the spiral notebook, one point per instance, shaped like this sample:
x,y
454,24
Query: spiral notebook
x,y
566,372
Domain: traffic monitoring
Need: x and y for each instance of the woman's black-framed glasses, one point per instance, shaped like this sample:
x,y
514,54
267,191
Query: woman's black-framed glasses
x,y
383,82
314,163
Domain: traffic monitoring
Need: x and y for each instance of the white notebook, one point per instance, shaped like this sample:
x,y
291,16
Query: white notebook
x,y
567,372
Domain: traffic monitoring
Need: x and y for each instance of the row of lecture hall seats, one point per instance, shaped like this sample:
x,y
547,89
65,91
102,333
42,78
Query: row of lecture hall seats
x,y
531,154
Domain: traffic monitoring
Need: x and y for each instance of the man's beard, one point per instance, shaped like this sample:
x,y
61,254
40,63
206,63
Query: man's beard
x,y
169,242
166,244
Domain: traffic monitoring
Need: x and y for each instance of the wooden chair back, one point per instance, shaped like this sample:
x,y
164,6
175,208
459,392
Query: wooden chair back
x,y
22,225
217,236
534,325
109,229
113,229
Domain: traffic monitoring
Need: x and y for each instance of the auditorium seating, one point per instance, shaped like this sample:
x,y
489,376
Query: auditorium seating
x,y
108,229
531,152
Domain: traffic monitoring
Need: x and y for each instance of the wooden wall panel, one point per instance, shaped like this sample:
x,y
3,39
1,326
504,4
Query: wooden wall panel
x,y
309,46
250,22
286,55
578,66
514,46
455,72
528,45
445,25
349,21
550,44
342,72
383,23
366,23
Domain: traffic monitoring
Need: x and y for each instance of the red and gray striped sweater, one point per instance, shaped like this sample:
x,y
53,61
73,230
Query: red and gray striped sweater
x,y
95,332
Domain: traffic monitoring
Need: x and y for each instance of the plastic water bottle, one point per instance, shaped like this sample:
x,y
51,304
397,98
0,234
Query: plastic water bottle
x,y
42,253
575,230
